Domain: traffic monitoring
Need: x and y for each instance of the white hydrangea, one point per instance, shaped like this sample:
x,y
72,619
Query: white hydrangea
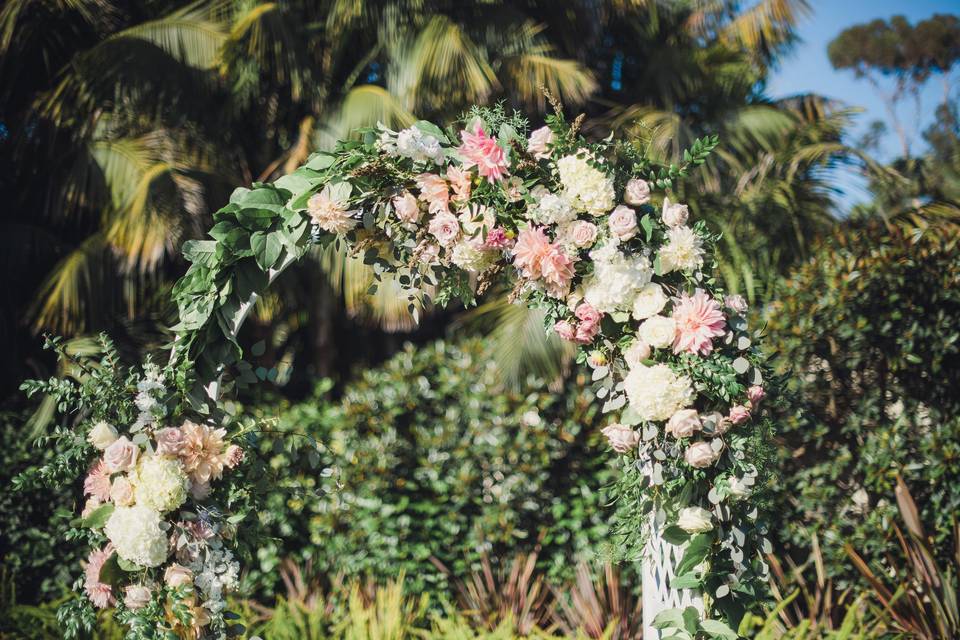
x,y
656,392
588,189
616,279
159,483
137,535
682,252
470,257
649,301
419,146
657,331
552,208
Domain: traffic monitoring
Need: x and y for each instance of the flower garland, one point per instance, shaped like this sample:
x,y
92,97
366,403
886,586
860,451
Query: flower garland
x,y
568,226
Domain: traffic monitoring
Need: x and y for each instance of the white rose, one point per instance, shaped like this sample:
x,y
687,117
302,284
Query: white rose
x,y
738,489
636,353
674,214
658,331
537,144
637,192
694,520
102,435
623,222
700,455
684,423
649,301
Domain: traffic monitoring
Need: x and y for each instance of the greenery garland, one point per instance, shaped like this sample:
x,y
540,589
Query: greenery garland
x,y
568,226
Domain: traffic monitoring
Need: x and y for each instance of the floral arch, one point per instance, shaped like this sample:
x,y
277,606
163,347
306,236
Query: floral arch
x,y
577,229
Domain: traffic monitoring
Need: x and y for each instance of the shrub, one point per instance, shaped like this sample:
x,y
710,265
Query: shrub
x,y
435,460
869,342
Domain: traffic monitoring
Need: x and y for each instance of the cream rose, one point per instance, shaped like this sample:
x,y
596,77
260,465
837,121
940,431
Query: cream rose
x,y
658,331
622,439
136,596
121,492
637,192
407,207
539,141
694,520
674,214
177,575
121,455
700,455
583,234
623,222
684,423
737,489
102,435
649,301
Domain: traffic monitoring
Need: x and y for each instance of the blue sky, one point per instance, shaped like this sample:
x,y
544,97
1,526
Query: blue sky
x,y
807,69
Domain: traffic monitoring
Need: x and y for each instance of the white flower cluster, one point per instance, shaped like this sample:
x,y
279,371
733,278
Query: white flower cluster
x,y
159,483
215,572
412,143
149,391
616,279
551,208
656,392
138,536
588,189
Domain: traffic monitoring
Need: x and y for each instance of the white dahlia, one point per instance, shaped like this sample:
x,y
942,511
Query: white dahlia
x,y
683,251
656,392
136,535
159,483
587,188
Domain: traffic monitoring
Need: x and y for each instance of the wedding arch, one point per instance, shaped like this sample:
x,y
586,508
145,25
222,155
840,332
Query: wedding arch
x,y
585,231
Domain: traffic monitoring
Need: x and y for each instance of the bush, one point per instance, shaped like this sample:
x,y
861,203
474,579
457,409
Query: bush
x,y
869,335
436,460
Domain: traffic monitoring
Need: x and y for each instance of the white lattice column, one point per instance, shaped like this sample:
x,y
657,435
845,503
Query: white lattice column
x,y
659,561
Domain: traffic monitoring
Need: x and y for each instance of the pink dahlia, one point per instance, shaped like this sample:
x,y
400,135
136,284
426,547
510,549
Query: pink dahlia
x,y
203,452
556,269
100,593
434,190
481,151
460,182
699,320
528,253
97,482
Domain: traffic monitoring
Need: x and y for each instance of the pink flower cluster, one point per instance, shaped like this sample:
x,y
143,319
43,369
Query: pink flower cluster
x,y
584,331
481,151
539,259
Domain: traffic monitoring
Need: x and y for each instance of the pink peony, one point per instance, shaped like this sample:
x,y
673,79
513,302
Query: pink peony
x,y
434,190
460,181
699,320
532,245
407,207
97,482
481,151
497,239
622,439
557,271
169,441
739,414
565,330
100,593
755,394
445,227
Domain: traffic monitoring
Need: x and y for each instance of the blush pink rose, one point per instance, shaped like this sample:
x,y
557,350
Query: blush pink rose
x,y
739,414
637,192
177,575
445,227
407,207
698,321
622,439
169,441
434,190
623,222
735,303
684,423
674,214
755,394
583,234
539,141
586,313
565,330
121,455
136,596
700,455
481,151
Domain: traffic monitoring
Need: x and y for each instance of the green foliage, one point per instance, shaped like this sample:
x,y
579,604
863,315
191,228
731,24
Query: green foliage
x,y
868,337
436,460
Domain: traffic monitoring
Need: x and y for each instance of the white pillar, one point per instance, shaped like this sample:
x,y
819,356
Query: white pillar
x,y
659,560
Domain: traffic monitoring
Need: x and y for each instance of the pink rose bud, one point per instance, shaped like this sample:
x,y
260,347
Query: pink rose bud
x,y
755,394
637,192
121,455
700,455
739,414
674,214
622,439
565,330
684,423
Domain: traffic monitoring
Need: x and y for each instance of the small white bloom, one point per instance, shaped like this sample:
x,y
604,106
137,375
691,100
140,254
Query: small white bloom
x,y
102,435
683,251
539,141
649,301
695,520
588,188
636,353
616,279
738,489
419,146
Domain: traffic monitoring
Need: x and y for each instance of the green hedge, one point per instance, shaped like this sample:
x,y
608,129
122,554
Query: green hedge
x,y
436,459
868,335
